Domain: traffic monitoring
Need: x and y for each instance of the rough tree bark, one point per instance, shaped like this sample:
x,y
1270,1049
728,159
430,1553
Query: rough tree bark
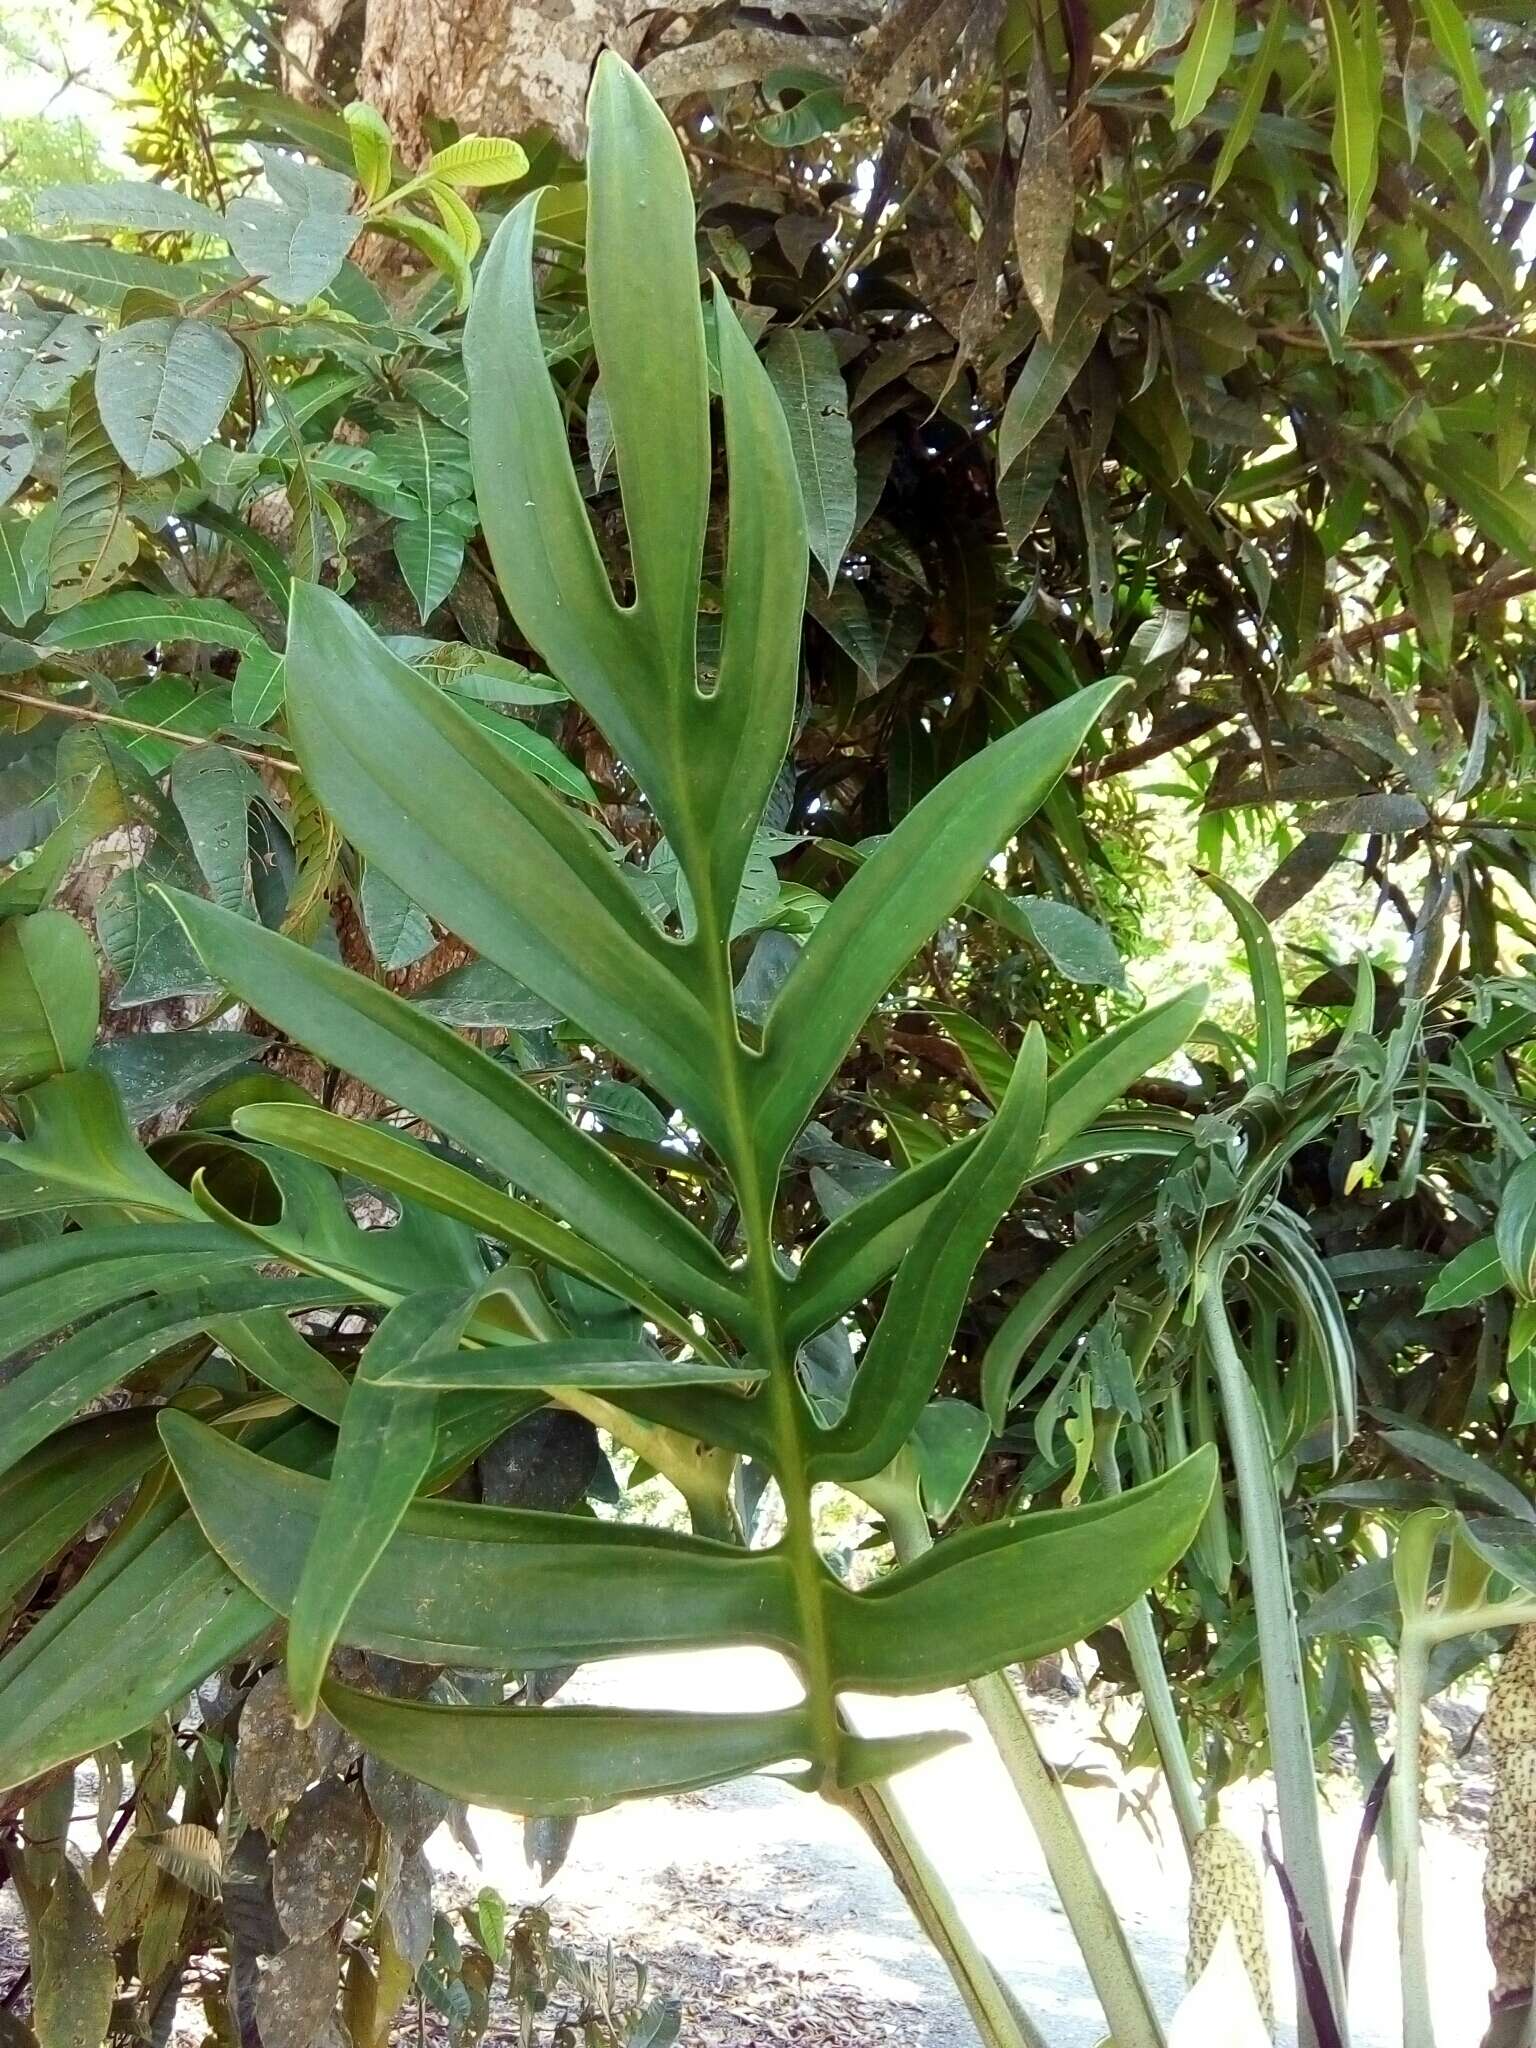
x,y
488,65
505,66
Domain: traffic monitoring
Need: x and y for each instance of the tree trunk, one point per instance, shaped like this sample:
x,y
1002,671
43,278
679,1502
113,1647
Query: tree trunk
x,y
503,67
493,67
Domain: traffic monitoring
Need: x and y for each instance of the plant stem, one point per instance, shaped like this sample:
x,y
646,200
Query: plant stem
x,y
1000,2021
1136,1626
788,1416
1412,1665
1101,1938
1285,1695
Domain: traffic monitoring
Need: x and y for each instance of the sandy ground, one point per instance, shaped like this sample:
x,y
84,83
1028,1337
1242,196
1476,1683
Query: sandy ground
x,y
774,1921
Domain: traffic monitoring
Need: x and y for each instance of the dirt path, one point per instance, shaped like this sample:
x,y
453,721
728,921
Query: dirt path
x,y
775,1922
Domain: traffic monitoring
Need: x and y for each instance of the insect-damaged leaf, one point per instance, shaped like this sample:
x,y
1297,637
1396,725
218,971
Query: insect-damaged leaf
x,y
1043,197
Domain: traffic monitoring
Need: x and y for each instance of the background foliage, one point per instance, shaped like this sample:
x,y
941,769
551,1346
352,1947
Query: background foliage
x,y
1193,347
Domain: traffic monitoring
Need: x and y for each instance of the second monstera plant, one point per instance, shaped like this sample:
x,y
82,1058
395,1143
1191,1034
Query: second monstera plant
x,y
511,1215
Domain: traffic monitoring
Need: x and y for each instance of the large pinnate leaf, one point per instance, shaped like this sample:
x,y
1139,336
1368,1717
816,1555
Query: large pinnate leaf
x,y
706,762
331,1526
496,1588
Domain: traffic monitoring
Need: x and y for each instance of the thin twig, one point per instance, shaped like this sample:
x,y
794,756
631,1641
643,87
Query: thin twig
x,y
1370,1820
158,732
1196,724
1500,591
1298,337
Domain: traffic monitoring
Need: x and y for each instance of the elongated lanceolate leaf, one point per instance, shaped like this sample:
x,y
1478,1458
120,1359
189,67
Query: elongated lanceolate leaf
x,y
804,368
483,1106
58,1386
51,1495
1052,366
1270,1050
1204,60
896,900
906,1355
981,1599
409,1168
498,1589
384,1452
564,1760
494,855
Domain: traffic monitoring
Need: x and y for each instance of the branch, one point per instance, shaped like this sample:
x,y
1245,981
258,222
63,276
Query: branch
x,y
741,56
1192,722
1500,591
158,732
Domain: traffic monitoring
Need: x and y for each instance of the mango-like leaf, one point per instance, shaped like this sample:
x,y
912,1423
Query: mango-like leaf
x,y
1471,1276
478,160
162,387
1052,367
1356,116
1204,60
1448,27
50,997
1043,196
1255,86
803,366
93,539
